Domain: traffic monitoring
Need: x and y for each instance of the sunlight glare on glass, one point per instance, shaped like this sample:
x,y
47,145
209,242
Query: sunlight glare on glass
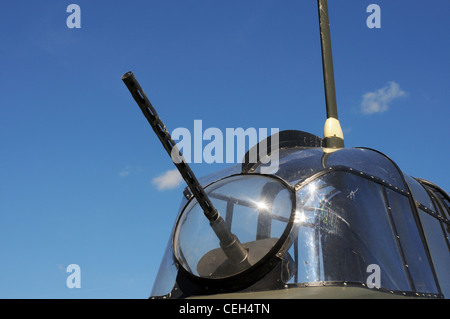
x,y
261,205
299,216
312,189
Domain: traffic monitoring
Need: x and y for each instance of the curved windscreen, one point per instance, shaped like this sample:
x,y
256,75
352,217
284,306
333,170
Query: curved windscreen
x,y
255,208
297,164
345,234
344,217
370,162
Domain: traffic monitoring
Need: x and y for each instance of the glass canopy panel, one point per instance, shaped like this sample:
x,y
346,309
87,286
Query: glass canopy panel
x,y
411,243
298,164
344,231
439,250
369,162
419,193
255,208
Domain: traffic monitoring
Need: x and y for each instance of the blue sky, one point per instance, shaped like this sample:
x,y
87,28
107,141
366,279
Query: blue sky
x,y
77,158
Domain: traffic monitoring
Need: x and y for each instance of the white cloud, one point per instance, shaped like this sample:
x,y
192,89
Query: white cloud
x,y
378,101
169,180
125,172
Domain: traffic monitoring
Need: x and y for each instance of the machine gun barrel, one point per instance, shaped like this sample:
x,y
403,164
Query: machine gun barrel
x,y
228,241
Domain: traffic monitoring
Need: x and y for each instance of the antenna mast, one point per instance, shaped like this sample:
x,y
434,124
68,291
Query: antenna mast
x,y
333,136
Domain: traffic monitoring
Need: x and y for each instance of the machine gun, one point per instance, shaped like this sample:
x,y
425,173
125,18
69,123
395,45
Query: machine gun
x,y
230,244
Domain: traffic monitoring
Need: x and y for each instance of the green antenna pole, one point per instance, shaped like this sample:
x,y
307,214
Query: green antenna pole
x,y
333,136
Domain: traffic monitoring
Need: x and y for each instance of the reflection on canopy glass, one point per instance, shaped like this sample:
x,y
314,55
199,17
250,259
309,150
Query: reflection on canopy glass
x,y
343,227
255,208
